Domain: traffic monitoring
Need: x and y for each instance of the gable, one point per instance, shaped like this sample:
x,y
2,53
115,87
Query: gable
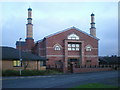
x,y
72,28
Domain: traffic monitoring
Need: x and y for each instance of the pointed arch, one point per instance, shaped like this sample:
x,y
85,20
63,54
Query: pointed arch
x,y
57,47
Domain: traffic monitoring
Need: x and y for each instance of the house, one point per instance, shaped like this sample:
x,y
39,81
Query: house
x,y
106,60
71,45
11,60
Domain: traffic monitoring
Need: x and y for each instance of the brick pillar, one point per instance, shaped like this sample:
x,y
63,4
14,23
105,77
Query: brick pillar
x,y
65,64
29,44
82,55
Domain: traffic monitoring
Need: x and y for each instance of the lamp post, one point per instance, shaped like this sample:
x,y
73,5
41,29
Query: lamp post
x,y
20,55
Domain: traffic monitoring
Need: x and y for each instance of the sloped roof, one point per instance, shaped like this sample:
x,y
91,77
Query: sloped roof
x,y
67,30
20,43
9,53
110,60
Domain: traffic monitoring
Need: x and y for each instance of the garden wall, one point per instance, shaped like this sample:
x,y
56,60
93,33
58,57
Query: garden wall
x,y
77,70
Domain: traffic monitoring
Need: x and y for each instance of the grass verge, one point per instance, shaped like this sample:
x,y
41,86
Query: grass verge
x,y
94,85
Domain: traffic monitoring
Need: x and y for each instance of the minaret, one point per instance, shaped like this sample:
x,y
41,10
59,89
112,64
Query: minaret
x,y
93,29
29,33
29,25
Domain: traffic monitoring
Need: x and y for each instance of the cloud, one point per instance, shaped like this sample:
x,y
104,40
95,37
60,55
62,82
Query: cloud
x,y
49,18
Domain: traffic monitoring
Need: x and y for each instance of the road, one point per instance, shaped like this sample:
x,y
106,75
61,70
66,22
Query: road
x,y
63,81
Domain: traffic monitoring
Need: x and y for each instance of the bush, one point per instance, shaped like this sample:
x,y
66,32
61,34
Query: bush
x,y
29,72
10,73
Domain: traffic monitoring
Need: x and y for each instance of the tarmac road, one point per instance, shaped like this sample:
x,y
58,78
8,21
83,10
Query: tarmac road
x,y
62,81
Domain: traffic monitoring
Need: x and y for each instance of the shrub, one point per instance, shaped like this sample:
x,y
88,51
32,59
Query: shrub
x,y
29,72
10,73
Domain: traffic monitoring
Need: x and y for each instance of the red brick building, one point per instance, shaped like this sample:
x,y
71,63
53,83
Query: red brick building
x,y
65,47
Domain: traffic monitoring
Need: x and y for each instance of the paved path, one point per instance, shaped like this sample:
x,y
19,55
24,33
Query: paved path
x,y
62,81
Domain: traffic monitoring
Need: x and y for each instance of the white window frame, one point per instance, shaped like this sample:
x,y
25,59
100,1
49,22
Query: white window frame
x,y
88,48
73,47
57,47
73,36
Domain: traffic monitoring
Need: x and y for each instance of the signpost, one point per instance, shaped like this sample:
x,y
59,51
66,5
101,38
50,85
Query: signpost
x,y
20,57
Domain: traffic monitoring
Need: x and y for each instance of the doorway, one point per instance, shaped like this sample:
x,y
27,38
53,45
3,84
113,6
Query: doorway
x,y
70,64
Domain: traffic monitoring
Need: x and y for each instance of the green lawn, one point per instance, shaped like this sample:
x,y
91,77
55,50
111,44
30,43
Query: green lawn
x,y
94,85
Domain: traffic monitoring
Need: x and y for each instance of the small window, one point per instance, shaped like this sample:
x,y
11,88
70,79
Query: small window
x,y
42,63
73,45
77,49
77,45
16,63
69,49
88,48
57,47
73,49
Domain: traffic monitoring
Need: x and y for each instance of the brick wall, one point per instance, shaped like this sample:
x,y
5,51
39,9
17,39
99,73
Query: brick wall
x,y
46,47
33,65
78,70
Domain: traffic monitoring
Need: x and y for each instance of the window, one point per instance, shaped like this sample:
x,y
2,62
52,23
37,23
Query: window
x,y
16,63
57,47
42,63
88,48
73,37
73,47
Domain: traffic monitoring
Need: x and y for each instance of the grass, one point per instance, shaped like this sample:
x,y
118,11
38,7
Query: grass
x,y
29,72
94,85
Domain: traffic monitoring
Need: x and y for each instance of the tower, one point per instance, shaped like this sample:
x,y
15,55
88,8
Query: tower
x,y
93,29
29,33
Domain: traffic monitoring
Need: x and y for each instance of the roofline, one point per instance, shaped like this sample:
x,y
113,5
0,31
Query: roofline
x,y
69,29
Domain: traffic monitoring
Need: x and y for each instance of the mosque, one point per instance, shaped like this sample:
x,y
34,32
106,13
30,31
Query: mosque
x,y
64,47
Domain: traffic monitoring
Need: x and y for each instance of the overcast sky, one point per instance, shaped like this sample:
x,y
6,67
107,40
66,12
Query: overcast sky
x,y
50,17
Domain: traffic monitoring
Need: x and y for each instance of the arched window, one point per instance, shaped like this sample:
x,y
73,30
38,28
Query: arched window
x,y
57,47
73,36
88,48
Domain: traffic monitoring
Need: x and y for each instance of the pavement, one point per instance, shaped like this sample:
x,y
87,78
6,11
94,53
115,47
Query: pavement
x,y
22,77
61,81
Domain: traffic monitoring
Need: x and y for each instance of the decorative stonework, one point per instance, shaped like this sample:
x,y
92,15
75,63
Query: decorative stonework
x,y
73,36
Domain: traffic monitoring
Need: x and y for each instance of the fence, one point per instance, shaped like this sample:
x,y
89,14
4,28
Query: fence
x,y
95,68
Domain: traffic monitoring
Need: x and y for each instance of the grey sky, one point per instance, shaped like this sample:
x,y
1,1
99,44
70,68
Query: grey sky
x,y
52,17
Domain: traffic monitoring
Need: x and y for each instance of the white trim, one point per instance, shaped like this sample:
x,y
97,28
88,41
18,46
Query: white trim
x,y
63,56
49,47
94,48
55,55
57,44
73,56
90,55
69,29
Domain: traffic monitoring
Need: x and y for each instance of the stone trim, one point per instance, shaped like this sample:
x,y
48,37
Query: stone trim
x,y
55,55
73,56
90,55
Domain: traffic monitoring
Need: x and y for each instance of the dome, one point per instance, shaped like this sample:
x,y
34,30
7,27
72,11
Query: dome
x,y
29,9
92,14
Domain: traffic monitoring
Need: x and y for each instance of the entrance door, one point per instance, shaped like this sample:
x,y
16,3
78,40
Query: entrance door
x,y
70,65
